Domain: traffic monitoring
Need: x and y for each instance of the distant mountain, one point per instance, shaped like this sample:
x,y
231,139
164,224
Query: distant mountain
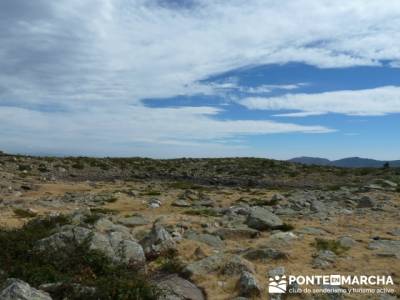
x,y
311,161
350,162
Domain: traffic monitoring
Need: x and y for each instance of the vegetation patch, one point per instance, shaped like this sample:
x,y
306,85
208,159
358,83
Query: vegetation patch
x,y
74,265
332,245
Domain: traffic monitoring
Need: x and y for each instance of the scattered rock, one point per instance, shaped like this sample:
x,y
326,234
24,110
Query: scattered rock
x,y
15,289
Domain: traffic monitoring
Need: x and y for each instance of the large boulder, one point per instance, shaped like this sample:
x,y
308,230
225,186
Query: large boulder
x,y
262,219
15,289
119,246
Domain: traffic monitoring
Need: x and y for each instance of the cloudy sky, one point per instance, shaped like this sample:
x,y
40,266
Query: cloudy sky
x,y
173,78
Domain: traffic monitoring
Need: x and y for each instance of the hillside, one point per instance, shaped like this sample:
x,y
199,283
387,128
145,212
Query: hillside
x,y
135,228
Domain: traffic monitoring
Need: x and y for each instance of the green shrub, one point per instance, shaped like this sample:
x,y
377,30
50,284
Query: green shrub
x,y
332,245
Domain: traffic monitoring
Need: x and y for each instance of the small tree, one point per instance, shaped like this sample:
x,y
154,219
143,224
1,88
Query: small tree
x,y
386,165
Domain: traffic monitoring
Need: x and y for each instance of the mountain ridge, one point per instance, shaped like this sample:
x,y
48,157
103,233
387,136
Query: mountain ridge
x,y
348,162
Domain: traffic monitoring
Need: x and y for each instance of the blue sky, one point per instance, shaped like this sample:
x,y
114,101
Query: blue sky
x,y
267,78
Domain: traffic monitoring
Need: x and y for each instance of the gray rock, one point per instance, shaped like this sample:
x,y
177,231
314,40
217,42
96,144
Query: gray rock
x,y
264,254
248,285
278,271
133,221
324,259
318,206
205,265
366,202
157,242
181,203
117,245
395,232
209,239
236,233
76,291
262,219
154,203
177,288
346,242
387,248
236,265
15,289
311,231
282,238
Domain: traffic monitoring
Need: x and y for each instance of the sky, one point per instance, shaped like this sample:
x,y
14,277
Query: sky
x,y
200,78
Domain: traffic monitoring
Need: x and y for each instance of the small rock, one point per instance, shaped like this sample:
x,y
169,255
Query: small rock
x,y
346,242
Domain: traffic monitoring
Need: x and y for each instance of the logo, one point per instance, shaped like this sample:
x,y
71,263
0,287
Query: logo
x,y
277,285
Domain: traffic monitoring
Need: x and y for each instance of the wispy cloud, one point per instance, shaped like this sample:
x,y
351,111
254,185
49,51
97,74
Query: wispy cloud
x,y
370,102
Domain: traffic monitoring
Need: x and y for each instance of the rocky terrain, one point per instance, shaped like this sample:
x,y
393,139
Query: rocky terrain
x,y
134,228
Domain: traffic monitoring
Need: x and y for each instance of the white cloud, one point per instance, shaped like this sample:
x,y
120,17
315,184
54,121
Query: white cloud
x,y
369,102
88,57
123,129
